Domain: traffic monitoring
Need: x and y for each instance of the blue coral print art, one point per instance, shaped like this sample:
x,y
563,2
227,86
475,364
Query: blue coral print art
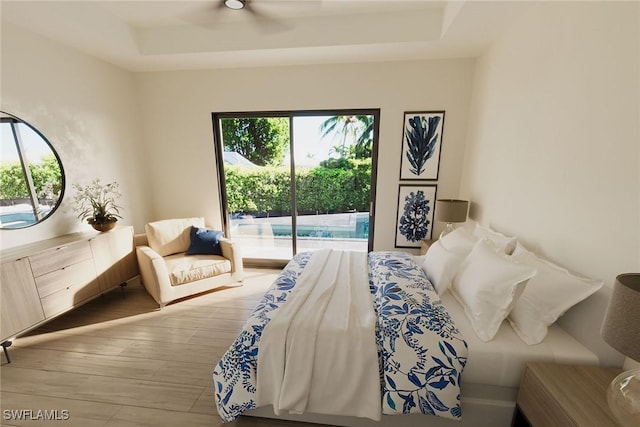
x,y
421,141
415,214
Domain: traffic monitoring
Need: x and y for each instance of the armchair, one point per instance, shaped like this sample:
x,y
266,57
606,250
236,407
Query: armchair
x,y
169,273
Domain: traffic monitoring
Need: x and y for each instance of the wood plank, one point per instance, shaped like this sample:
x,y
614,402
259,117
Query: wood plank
x,y
96,388
213,338
231,313
86,363
122,362
206,323
131,416
75,343
81,413
205,403
137,332
185,373
175,352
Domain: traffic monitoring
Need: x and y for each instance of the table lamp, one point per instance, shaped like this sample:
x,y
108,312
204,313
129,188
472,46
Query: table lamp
x,y
451,211
621,330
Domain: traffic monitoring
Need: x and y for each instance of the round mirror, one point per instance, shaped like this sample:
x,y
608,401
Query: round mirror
x,y
31,175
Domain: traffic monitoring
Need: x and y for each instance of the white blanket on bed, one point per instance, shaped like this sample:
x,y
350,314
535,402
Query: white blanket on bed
x,y
318,353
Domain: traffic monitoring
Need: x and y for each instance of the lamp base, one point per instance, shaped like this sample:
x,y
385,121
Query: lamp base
x,y
447,229
623,397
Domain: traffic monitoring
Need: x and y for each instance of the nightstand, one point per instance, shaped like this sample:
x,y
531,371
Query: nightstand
x,y
555,395
424,245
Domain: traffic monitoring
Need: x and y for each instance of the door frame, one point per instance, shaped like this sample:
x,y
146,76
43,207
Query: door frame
x,y
218,148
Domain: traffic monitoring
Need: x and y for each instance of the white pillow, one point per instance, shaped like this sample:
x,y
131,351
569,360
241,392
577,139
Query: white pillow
x,y
459,240
487,286
548,296
171,236
500,241
440,265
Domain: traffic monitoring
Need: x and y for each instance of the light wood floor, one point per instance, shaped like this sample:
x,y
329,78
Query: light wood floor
x,y
122,362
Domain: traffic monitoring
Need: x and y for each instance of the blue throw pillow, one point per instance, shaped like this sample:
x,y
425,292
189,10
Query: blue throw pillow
x,y
204,241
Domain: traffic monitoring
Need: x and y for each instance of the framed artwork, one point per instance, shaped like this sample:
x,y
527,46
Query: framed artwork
x,y
416,204
421,144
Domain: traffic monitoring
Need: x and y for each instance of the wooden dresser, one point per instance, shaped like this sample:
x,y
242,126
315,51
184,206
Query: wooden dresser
x,y
45,279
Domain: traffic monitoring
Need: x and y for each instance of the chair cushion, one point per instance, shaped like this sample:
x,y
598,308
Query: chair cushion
x,y
184,269
171,236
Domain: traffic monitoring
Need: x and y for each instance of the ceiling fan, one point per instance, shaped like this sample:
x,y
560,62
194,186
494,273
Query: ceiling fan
x,y
235,4
267,22
216,12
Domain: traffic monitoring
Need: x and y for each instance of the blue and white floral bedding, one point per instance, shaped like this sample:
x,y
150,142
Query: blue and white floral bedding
x,y
421,352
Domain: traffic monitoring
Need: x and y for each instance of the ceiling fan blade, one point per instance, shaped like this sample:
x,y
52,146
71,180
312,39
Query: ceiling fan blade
x,y
267,22
206,15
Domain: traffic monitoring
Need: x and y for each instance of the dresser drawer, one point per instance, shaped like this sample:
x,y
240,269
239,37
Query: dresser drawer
x,y
81,273
61,256
69,297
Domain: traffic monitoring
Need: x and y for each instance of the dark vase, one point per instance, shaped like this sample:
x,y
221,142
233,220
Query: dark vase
x,y
103,226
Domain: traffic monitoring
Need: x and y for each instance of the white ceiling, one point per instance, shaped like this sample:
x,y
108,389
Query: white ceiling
x,y
170,35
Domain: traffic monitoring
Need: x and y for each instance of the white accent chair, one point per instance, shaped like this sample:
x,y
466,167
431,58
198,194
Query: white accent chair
x,y
168,273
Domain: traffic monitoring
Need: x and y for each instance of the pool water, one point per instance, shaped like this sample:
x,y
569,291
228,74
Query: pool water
x,y
330,226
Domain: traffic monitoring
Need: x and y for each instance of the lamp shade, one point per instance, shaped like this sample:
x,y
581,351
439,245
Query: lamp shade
x,y
621,326
451,210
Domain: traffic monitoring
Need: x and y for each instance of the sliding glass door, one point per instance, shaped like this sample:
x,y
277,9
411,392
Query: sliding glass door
x,y
297,181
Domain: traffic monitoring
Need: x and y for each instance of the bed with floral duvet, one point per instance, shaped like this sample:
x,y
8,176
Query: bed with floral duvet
x,y
421,354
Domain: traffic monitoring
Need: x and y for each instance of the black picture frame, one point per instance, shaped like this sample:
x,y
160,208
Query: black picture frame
x,y
414,216
421,145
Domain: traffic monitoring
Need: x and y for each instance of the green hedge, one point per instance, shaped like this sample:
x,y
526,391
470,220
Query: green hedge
x,y
321,189
46,175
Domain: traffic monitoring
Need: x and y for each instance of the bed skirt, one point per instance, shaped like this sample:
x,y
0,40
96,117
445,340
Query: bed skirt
x,y
478,412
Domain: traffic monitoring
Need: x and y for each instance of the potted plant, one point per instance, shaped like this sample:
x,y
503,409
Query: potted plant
x,y
96,203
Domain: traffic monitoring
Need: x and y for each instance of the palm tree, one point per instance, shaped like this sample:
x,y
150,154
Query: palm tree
x,y
353,131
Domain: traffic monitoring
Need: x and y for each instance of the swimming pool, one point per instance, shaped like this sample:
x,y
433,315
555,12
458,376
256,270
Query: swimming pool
x,y
329,226
17,219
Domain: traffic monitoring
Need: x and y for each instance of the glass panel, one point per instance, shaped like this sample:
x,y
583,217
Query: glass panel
x,y
257,174
333,181
31,176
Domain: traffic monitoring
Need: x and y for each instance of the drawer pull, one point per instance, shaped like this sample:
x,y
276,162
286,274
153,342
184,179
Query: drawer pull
x,y
61,247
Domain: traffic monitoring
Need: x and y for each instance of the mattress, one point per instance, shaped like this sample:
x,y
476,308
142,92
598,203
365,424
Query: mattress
x,y
500,362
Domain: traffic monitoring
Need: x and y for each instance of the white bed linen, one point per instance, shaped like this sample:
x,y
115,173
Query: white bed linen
x,y
501,361
319,354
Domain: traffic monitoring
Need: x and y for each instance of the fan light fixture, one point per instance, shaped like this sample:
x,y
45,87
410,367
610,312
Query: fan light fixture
x,y
234,4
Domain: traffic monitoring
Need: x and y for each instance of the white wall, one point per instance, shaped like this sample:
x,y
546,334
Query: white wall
x,y
176,109
553,153
88,110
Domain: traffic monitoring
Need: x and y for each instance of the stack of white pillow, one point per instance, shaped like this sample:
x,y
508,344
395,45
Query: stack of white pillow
x,y
494,278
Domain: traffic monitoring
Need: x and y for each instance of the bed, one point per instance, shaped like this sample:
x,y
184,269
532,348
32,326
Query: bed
x,y
424,340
